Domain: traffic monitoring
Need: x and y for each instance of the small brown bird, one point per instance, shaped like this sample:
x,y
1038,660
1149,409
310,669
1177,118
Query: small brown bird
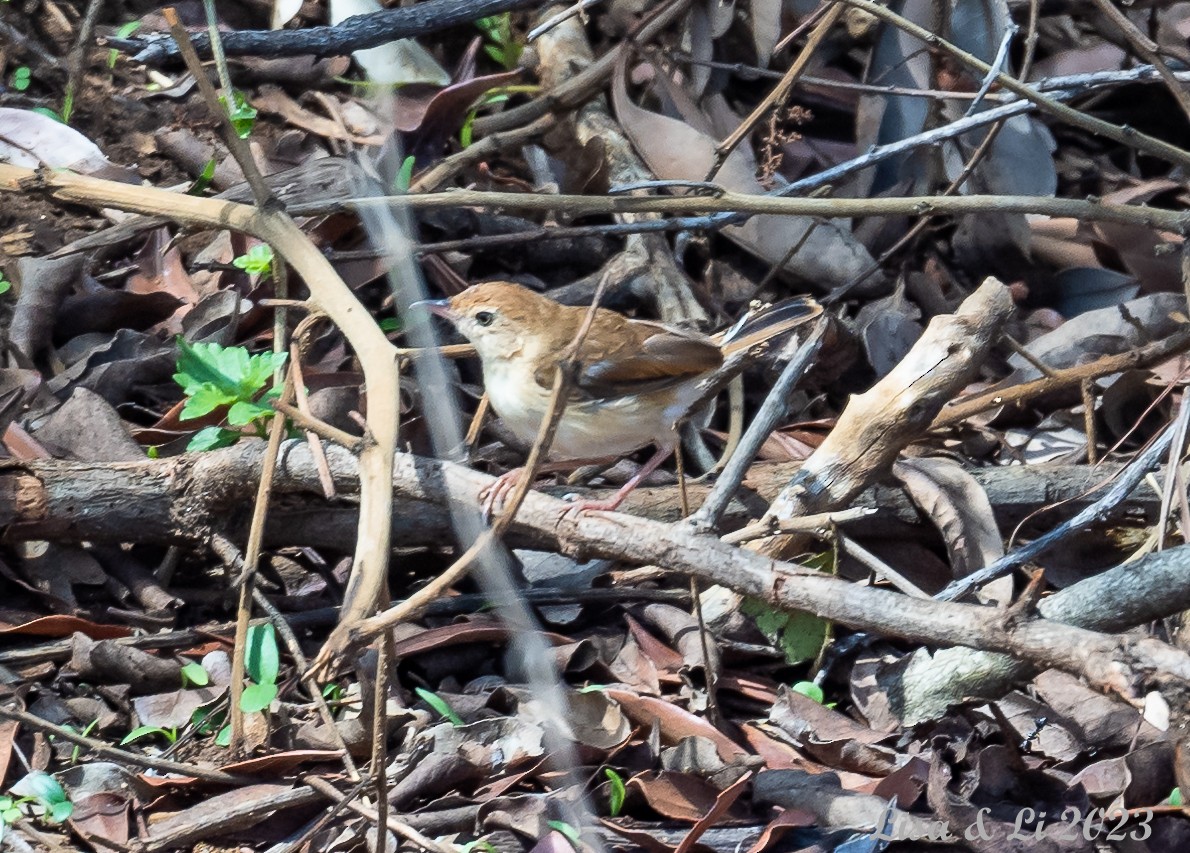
x,y
636,379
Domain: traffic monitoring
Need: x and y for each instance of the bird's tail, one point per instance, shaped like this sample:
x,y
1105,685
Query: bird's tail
x,y
763,325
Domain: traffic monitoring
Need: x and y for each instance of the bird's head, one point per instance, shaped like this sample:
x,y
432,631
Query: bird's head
x,y
501,319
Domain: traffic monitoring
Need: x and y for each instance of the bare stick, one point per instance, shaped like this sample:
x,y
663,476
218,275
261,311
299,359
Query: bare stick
x,y
1127,136
1147,49
772,411
781,91
1097,511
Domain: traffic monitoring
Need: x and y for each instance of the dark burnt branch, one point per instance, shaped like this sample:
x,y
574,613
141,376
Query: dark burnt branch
x,y
356,33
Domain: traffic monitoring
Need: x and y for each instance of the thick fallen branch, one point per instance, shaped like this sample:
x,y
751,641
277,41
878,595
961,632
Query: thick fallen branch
x,y
1124,664
182,499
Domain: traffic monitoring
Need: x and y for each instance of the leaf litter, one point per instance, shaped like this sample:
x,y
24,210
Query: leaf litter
x,y
680,740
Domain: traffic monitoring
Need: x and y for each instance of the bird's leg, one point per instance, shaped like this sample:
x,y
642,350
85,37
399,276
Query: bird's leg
x,y
495,495
612,503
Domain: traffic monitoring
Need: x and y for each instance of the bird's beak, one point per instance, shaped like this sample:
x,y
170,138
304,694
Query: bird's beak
x,y
441,307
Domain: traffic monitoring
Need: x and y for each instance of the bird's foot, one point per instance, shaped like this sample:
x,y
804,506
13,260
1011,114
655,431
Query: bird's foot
x,y
495,495
578,506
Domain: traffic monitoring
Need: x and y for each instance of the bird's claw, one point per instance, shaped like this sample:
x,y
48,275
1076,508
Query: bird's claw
x,y
495,495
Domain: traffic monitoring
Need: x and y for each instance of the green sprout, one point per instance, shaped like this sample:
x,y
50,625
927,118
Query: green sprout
x,y
193,673
263,663
123,32
214,377
242,114
440,705
22,76
43,794
618,791
256,261
503,45
404,176
141,732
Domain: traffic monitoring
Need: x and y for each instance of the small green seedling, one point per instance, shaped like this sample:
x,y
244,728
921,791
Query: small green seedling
x,y
5,284
263,663
404,176
572,834
618,791
256,261
203,181
503,45
141,732
123,32
44,795
77,751
193,673
440,705
242,114
213,377
810,689
22,77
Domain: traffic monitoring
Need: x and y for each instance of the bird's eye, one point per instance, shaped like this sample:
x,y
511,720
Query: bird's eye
x,y
485,318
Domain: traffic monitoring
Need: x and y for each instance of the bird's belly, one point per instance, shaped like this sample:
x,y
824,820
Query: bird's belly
x,y
588,429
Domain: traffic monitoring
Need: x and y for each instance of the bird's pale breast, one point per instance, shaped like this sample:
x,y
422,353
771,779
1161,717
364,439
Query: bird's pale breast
x,y
589,428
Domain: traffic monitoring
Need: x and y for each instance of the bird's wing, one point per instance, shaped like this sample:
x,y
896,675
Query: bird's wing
x,y
622,356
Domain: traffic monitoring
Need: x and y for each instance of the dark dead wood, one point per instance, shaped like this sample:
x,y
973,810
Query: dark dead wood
x,y
356,33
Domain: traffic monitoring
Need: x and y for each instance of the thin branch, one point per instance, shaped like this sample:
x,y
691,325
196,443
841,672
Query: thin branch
x,y
1148,50
120,756
772,411
741,205
1099,510
1126,136
781,91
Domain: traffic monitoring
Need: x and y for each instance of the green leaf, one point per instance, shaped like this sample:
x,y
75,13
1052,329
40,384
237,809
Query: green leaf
x,y
257,261
5,284
11,815
205,718
22,77
193,673
224,737
404,176
618,792
40,786
387,324
440,705
241,113
243,413
48,113
204,179
60,812
803,636
468,128
123,32
495,52
203,400
1175,797
569,831
208,364
262,659
257,697
212,438
809,688
142,732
